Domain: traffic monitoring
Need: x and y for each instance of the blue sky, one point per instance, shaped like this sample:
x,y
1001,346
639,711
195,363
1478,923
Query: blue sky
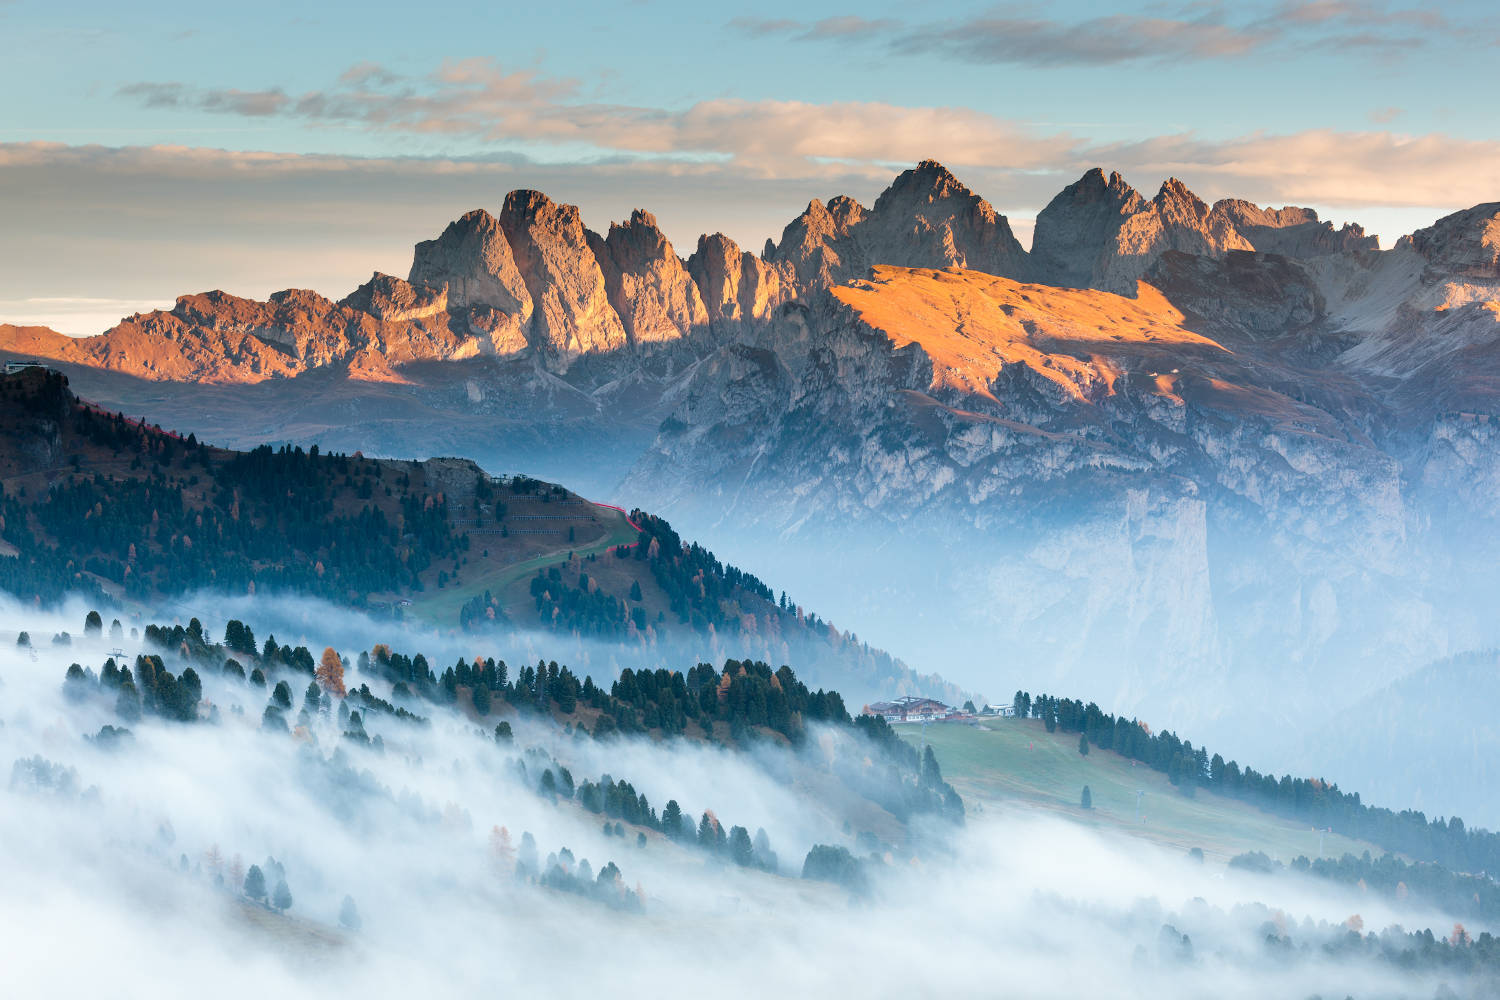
x,y
171,147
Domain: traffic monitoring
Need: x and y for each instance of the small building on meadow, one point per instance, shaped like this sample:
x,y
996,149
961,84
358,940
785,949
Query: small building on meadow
x,y
911,709
21,364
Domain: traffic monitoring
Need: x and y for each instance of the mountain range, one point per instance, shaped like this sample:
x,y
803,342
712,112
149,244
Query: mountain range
x,y
1178,454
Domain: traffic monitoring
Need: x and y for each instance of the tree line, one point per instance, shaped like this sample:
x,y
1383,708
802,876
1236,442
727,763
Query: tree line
x,y
1310,800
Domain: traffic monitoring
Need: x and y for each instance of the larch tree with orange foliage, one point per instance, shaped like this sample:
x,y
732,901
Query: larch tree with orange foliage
x,y
502,854
330,673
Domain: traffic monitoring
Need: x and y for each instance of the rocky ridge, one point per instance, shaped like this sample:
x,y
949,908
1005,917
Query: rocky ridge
x,y
535,285
1175,441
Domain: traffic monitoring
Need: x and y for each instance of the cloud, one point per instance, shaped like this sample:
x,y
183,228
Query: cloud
x,y
477,101
1325,167
1011,35
1098,41
844,27
142,869
525,117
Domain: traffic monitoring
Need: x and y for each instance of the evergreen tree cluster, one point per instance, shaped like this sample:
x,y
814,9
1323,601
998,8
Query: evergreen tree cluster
x,y
186,516
1463,895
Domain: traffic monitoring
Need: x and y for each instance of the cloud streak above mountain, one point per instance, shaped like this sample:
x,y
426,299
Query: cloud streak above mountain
x,y
1015,34
524,115
479,100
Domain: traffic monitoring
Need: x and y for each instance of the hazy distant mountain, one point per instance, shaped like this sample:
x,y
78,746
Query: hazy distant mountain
x,y
1430,740
1179,454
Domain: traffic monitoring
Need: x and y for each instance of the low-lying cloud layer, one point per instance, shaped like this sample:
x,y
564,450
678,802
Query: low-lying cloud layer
x,y
128,854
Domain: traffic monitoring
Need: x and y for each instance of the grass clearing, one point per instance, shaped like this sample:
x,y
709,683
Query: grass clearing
x,y
1018,760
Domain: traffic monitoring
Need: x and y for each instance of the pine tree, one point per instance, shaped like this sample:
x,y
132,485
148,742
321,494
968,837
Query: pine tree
x,y
282,897
1083,744
671,820
1086,801
349,915
707,828
255,883
740,848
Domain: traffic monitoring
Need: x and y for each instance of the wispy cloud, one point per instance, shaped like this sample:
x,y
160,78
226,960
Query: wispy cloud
x,y
479,101
1012,34
542,119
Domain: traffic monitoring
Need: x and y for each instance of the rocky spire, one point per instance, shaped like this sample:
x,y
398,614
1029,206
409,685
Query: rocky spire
x,y
819,246
929,218
735,285
571,314
926,218
650,289
1078,228
473,260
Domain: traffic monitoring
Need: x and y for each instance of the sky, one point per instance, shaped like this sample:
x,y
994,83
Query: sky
x,y
162,148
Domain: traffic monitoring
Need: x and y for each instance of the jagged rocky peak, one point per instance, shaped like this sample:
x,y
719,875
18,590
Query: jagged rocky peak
x,y
818,243
1462,245
572,314
389,298
929,218
1107,228
1078,226
473,259
656,298
735,285
716,267
926,218
1180,207
1291,231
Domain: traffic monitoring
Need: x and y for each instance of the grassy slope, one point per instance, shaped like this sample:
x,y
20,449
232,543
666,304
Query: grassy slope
x,y
1012,759
597,529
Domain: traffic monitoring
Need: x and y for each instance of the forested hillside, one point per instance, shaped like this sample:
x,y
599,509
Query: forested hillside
x,y
105,506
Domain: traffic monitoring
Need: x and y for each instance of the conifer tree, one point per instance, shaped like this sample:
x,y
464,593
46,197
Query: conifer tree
x,y
282,897
255,883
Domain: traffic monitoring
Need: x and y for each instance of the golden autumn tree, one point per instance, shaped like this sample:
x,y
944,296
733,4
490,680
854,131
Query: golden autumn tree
x,y
330,673
502,854
236,872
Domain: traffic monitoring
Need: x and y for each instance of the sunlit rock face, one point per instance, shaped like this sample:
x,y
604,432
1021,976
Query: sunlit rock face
x,y
1219,483
1174,441
926,218
648,285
